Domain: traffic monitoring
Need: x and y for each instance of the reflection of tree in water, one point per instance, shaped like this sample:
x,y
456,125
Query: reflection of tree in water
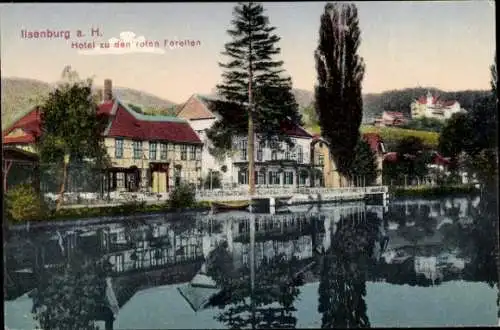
x,y
271,303
73,296
344,273
482,252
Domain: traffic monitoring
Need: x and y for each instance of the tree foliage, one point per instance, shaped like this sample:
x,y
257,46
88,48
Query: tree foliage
x,y
270,305
71,128
425,124
23,203
250,64
364,164
344,272
472,139
72,298
340,70
411,163
69,123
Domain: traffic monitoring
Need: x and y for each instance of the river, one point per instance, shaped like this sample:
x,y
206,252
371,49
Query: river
x,y
416,263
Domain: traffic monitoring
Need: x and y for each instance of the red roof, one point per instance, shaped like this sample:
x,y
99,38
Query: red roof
x,y
436,101
105,108
391,157
29,123
440,160
126,124
374,140
123,124
294,130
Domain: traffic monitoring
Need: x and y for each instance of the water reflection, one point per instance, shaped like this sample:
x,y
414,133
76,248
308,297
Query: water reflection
x,y
79,275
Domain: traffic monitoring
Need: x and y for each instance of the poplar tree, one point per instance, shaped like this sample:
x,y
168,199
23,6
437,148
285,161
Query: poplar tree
x,y
257,96
340,71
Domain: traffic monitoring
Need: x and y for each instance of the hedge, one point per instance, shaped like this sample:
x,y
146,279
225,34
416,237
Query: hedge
x,y
432,191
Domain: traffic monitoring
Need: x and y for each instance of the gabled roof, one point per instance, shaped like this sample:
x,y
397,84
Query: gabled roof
x,y
29,124
12,153
374,140
440,160
196,107
125,122
436,101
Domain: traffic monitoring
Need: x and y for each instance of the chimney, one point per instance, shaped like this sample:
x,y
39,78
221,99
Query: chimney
x,y
108,90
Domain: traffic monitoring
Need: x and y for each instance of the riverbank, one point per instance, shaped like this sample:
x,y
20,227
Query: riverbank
x,y
86,214
433,191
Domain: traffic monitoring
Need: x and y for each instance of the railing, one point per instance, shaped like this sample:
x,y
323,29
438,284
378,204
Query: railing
x,y
285,191
116,198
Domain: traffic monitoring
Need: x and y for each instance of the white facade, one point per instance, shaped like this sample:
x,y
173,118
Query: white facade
x,y
431,107
274,164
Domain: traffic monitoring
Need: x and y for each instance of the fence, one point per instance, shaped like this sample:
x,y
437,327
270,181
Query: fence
x,y
87,185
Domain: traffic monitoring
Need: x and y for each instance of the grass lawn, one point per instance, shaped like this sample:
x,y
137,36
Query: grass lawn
x,y
392,135
433,191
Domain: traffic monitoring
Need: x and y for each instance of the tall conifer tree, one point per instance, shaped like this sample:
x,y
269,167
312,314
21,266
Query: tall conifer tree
x,y
340,70
259,95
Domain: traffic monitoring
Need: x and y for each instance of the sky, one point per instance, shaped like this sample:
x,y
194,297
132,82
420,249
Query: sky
x,y
445,44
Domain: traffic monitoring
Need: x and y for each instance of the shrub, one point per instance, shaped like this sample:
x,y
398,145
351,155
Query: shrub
x,y
215,178
23,203
182,196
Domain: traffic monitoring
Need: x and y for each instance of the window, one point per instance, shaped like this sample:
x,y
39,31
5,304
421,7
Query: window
x,y
243,150
163,151
288,152
118,148
152,150
261,177
192,153
288,177
303,178
300,154
183,152
198,153
260,148
137,145
120,180
274,177
243,177
274,155
321,159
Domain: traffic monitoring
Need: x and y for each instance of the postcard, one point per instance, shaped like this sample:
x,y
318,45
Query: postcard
x,y
249,165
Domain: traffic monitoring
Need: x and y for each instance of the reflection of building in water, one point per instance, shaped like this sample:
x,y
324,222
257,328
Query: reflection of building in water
x,y
173,249
428,267
300,248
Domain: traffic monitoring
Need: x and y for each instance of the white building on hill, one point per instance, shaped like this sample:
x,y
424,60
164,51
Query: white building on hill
x,y
433,107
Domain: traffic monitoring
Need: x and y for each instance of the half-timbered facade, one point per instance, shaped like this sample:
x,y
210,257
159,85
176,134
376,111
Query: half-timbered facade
x,y
147,153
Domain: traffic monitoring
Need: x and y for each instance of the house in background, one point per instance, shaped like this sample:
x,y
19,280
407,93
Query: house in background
x,y
23,132
19,166
377,146
152,153
276,164
322,159
433,107
390,118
